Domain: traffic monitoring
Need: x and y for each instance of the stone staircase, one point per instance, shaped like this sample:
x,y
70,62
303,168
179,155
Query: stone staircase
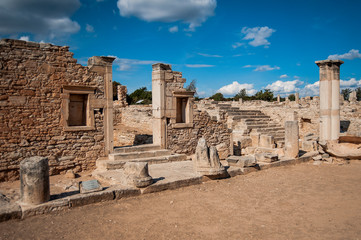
x,y
152,154
243,122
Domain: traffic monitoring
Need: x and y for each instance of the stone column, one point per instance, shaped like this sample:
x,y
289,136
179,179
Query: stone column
x,y
329,99
278,98
352,97
103,66
34,180
158,104
297,98
291,139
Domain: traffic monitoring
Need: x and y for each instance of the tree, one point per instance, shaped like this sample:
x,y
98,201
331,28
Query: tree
x,y
292,97
242,94
141,95
217,97
358,93
192,87
346,93
267,95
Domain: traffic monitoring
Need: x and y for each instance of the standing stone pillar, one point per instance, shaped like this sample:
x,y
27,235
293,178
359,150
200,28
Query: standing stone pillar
x,y
159,104
352,97
291,139
297,98
329,99
34,180
103,66
278,98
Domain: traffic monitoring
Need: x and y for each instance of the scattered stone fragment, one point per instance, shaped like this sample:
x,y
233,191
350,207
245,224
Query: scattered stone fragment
x,y
206,160
242,161
266,157
137,174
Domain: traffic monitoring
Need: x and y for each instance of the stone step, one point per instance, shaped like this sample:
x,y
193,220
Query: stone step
x,y
136,155
137,148
118,164
238,117
237,112
271,130
260,125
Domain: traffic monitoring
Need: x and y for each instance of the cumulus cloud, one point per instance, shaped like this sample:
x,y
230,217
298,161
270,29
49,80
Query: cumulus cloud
x,y
209,55
126,64
262,68
192,12
199,65
352,83
284,76
89,28
24,38
352,54
285,87
173,29
40,17
235,87
310,90
258,35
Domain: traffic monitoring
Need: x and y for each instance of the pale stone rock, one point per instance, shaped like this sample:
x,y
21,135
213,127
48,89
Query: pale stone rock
x,y
242,161
206,160
266,157
137,174
266,141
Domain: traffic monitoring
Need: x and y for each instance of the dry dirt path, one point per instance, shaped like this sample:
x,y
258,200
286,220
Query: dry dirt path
x,y
293,202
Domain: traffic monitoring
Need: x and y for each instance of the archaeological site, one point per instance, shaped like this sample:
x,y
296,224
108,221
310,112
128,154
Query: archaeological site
x,y
64,141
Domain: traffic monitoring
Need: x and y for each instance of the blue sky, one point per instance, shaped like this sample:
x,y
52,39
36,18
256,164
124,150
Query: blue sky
x,y
224,45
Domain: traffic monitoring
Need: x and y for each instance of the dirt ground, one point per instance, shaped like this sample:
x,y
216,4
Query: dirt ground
x,y
295,202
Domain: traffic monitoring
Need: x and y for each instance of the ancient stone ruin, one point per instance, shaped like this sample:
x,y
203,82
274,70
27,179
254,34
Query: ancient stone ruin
x,y
57,117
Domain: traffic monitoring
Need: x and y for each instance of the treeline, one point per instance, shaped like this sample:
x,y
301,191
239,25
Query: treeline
x,y
144,96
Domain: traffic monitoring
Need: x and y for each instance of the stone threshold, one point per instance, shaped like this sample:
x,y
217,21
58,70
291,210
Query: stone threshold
x,y
115,192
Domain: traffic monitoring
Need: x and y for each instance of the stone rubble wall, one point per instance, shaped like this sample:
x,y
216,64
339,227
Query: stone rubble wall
x,y
216,133
31,80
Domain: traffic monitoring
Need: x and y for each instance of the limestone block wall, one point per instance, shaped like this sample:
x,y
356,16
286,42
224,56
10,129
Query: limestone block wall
x,y
216,133
135,116
32,77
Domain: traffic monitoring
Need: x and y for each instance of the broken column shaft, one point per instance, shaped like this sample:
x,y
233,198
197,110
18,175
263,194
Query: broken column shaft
x,y
291,139
34,180
329,99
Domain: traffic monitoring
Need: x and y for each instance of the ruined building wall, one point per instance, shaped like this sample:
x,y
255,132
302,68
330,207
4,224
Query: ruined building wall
x,y
32,80
215,132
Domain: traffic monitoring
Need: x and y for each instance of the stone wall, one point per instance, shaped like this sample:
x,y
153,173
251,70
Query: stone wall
x,y
32,80
216,133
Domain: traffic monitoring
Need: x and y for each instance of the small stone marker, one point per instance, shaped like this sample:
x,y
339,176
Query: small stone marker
x,y
137,174
90,186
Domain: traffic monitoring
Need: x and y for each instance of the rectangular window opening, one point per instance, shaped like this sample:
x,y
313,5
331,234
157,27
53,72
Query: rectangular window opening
x,y
181,110
78,110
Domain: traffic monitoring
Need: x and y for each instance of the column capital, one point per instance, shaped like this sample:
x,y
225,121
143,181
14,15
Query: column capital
x,y
329,62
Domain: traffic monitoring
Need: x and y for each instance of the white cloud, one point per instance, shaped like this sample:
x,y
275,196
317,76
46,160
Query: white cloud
x,y
310,90
173,29
199,65
352,54
209,55
237,44
89,28
286,87
266,68
192,12
235,87
39,17
24,38
125,64
284,76
352,83
258,35
262,68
